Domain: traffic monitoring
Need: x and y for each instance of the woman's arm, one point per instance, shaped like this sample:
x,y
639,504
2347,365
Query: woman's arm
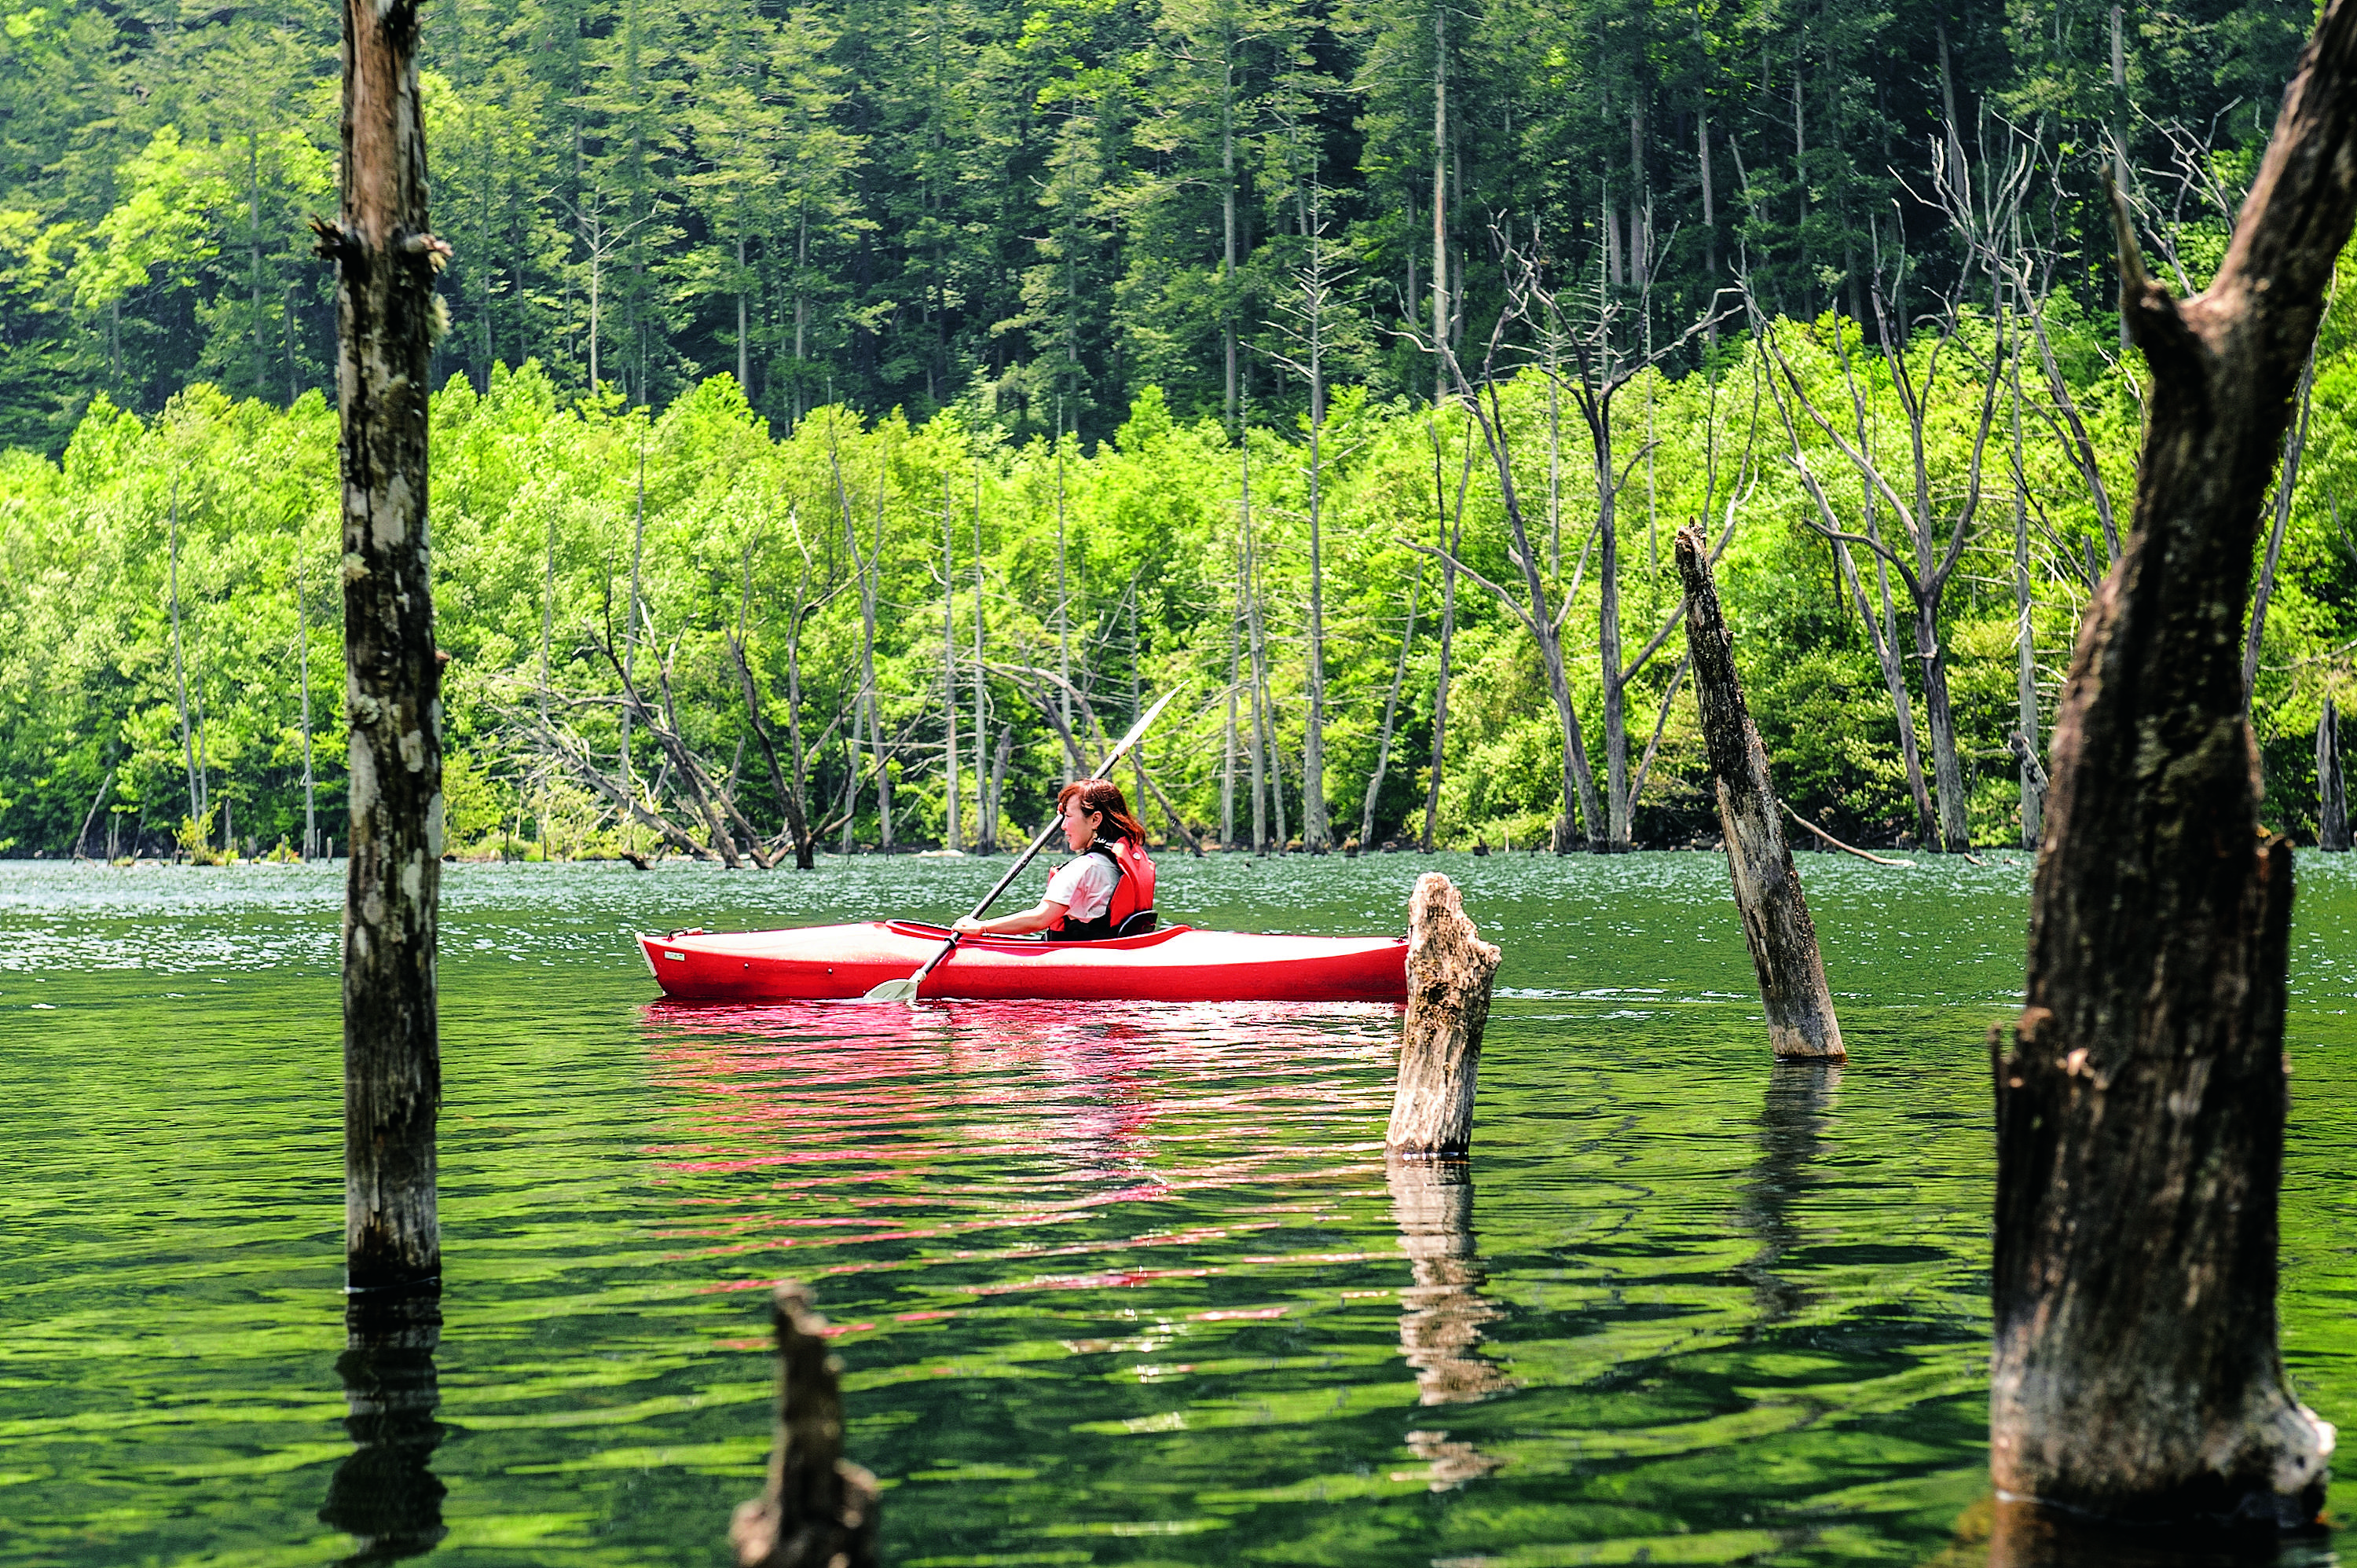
x,y
1039,917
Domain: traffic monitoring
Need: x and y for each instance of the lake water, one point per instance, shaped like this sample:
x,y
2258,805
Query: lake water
x,y
1114,1284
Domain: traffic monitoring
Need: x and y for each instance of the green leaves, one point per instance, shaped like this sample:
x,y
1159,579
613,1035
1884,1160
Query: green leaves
x,y
167,222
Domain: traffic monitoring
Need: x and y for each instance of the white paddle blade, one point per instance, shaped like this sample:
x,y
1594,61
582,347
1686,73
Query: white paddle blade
x,y
1137,733
901,990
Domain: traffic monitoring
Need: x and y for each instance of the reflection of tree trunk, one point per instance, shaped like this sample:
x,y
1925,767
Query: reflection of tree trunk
x,y
1792,1121
1442,1313
385,1496
2023,1535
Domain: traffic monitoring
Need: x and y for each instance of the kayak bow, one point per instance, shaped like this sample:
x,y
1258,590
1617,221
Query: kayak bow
x,y
1176,963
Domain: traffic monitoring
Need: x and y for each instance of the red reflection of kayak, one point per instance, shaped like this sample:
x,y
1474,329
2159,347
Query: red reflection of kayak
x,y
1176,963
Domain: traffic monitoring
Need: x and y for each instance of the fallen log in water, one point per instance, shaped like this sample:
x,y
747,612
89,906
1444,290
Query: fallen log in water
x,y
820,1509
1449,969
1776,924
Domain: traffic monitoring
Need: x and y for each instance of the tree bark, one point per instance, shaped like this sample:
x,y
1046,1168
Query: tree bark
x,y
953,838
2025,650
1451,537
819,1509
2287,480
998,761
179,673
2331,782
1390,715
988,840
2140,1111
1940,718
386,260
1314,832
303,674
1776,924
1449,969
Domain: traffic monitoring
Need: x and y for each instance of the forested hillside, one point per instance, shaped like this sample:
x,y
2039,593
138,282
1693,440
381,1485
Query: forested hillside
x,y
1040,206
849,415
862,620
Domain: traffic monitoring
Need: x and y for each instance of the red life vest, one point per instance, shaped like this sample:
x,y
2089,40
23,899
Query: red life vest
x,y
1132,897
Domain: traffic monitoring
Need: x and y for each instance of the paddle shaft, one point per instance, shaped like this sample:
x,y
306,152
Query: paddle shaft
x,y
1112,757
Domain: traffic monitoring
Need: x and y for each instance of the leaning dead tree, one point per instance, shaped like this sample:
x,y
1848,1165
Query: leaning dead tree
x,y
386,259
2140,1108
1776,924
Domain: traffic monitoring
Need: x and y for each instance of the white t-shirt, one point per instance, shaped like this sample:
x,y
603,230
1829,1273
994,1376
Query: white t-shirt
x,y
1084,886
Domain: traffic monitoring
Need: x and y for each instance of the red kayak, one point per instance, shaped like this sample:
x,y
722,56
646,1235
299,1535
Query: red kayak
x,y
1176,963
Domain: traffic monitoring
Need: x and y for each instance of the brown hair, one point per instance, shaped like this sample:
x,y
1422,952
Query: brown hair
x,y
1103,797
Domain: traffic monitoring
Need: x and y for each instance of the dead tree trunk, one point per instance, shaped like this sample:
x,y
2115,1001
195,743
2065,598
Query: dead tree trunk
x,y
1390,715
1776,924
386,260
819,1509
2331,783
999,758
1449,969
2140,1111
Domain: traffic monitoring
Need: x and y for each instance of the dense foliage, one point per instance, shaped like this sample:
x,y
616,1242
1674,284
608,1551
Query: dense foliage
x,y
884,396
1039,209
1136,566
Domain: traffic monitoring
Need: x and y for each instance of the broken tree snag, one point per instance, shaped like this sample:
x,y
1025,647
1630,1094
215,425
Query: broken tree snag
x,y
1776,924
2135,1373
386,316
1449,969
2331,782
819,1510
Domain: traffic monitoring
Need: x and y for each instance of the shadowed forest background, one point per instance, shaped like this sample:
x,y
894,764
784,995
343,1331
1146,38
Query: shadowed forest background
x,y
883,392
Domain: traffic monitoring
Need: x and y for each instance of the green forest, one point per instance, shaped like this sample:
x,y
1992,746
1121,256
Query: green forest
x,y
850,415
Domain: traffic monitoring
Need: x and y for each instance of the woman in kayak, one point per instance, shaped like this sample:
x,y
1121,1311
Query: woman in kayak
x,y
1106,890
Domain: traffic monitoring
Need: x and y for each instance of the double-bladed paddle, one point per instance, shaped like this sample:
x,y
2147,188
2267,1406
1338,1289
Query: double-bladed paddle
x,y
906,990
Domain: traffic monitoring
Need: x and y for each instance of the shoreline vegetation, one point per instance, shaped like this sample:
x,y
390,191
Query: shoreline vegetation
x,y
682,631
849,414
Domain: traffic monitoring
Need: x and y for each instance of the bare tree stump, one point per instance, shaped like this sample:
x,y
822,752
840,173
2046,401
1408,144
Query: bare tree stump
x,y
2135,1373
1776,924
2331,782
386,318
820,1509
1449,969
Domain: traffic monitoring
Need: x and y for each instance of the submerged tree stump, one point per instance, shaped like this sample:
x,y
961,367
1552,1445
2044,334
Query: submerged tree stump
x,y
819,1510
2135,1373
1449,969
2331,782
1776,924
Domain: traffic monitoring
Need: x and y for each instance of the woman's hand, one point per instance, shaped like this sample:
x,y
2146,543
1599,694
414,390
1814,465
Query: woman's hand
x,y
965,924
